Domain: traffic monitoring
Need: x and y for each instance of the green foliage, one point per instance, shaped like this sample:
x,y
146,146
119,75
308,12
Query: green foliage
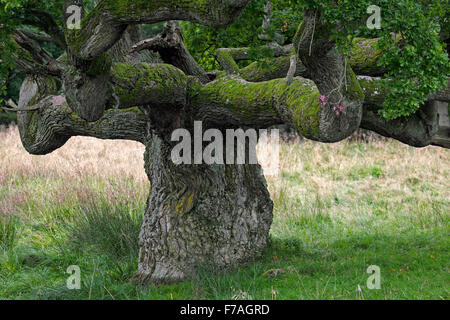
x,y
202,41
7,118
152,30
418,65
8,232
13,13
7,46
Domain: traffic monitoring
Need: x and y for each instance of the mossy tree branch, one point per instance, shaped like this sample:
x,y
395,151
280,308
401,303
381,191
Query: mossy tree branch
x,y
53,123
363,60
172,50
228,57
105,25
162,91
163,96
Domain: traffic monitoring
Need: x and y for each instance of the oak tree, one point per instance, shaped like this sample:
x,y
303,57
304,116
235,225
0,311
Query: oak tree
x,y
322,71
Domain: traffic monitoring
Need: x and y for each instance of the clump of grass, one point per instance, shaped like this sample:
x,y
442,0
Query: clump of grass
x,y
8,232
110,229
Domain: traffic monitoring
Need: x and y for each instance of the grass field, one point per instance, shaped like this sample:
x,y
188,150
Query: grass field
x,y
338,209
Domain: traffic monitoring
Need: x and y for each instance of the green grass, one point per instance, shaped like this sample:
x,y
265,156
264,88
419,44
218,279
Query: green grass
x,y
309,258
8,232
338,210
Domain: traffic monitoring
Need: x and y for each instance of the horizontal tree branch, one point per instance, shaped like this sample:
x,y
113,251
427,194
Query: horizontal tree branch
x,y
272,69
149,84
418,130
163,96
50,127
106,23
363,61
228,57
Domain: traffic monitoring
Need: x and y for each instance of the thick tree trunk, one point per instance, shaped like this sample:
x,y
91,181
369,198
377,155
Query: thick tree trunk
x,y
200,216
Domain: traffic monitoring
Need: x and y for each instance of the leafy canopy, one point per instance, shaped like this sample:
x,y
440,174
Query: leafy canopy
x,y
418,64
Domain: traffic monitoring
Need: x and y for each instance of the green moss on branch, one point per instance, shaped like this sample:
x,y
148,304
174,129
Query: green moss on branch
x,y
159,84
264,103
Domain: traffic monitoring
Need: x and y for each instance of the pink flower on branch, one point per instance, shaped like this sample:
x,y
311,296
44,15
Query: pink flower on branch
x,y
338,109
322,100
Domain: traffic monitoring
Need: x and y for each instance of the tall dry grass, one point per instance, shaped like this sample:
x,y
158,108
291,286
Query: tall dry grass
x,y
78,173
349,172
382,185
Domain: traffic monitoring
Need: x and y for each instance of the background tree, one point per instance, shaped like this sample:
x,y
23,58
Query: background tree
x,y
296,63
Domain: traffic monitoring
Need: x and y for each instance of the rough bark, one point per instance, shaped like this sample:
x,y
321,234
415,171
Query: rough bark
x,y
172,50
198,216
88,85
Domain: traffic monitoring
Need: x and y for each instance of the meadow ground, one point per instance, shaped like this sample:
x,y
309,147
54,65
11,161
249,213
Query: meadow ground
x,y
339,208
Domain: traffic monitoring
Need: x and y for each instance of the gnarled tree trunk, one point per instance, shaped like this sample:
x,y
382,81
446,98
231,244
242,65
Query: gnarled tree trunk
x,y
200,216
